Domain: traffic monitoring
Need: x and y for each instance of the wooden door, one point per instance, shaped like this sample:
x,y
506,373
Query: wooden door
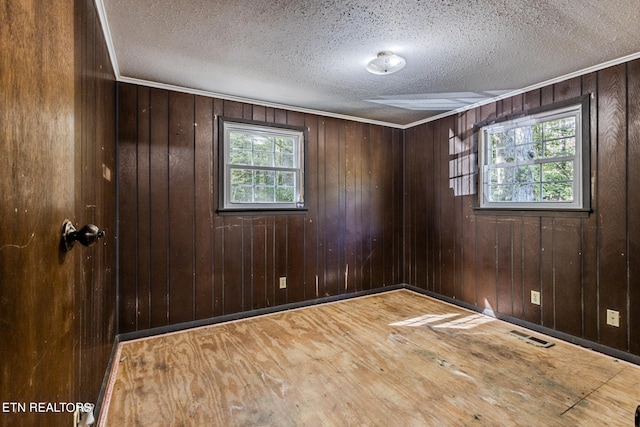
x,y
57,126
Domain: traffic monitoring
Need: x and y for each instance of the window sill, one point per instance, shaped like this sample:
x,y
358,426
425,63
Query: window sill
x,y
575,213
265,211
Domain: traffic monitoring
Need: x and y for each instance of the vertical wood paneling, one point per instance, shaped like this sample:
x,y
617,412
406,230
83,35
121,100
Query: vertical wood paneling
x,y
612,218
568,248
200,264
425,236
311,227
486,241
486,262
632,319
232,240
351,205
248,255
447,226
504,267
547,268
323,247
567,295
468,226
159,209
296,261
531,255
581,265
439,154
379,163
203,218
95,303
398,206
519,296
217,238
142,228
332,233
457,153
416,271
128,205
365,209
590,315
390,148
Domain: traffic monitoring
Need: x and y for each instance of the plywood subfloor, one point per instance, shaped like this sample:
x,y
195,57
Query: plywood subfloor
x,y
396,358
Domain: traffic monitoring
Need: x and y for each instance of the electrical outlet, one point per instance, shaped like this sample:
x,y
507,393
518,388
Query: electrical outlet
x,y
283,283
535,297
613,318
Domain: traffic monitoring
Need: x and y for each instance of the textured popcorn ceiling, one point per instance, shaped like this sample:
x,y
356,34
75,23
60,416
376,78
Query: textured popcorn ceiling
x,y
311,55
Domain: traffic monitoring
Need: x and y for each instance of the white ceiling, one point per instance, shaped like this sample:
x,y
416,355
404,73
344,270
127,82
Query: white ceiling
x,y
310,55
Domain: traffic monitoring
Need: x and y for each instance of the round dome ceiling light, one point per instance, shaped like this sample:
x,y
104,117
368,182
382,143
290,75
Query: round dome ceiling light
x,y
386,63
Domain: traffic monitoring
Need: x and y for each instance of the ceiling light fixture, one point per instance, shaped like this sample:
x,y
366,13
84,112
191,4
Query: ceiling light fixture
x,y
386,63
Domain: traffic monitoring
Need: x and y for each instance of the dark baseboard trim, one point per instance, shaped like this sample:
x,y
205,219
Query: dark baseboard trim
x,y
609,351
128,336
618,354
105,380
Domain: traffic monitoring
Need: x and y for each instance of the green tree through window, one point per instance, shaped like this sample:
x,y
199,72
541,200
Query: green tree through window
x,y
263,166
533,161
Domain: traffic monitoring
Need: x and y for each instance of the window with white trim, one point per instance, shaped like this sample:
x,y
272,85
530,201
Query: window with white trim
x,y
535,162
262,166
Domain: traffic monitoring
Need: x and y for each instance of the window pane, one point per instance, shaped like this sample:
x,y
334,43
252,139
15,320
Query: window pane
x,y
286,179
262,143
529,173
241,193
526,192
264,177
558,191
495,175
240,157
560,147
560,128
537,150
284,160
263,165
532,160
241,177
284,145
284,194
500,193
240,141
264,194
498,139
498,156
557,171
262,159
536,132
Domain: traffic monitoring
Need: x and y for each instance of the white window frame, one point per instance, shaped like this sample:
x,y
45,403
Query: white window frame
x,y
581,200
261,129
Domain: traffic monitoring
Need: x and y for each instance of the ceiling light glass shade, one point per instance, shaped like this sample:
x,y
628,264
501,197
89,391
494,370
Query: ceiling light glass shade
x,y
386,63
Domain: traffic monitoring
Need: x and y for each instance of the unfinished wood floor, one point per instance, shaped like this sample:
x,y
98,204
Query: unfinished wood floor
x,y
392,359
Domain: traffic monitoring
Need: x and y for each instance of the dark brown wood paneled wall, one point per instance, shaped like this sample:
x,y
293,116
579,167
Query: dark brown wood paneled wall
x,y
95,194
581,266
57,309
180,261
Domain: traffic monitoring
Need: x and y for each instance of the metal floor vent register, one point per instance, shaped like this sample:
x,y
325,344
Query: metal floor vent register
x,y
531,339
